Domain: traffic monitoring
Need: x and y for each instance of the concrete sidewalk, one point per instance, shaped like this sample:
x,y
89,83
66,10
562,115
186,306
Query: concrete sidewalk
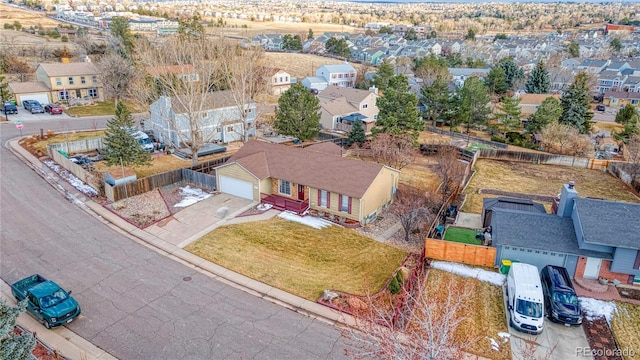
x,y
167,244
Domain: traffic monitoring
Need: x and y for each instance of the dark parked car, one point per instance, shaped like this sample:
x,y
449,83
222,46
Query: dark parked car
x,y
560,299
53,109
600,107
10,108
33,106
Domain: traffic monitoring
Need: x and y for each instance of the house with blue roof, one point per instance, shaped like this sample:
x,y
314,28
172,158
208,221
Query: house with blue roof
x,y
591,238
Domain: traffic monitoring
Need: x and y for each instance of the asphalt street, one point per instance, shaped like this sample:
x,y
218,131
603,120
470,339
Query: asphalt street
x,y
136,303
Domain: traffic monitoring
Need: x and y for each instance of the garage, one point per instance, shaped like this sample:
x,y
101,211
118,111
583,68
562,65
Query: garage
x,y
30,90
539,258
239,188
41,98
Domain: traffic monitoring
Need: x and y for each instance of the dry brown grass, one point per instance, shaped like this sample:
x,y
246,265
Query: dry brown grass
x,y
609,126
161,163
300,259
9,14
300,65
484,312
41,145
626,327
541,179
234,27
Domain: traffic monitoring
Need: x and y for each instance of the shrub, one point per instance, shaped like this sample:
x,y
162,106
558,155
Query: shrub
x,y
394,286
64,38
498,138
399,277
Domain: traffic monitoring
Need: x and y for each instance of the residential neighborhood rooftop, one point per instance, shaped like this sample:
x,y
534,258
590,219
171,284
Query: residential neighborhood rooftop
x,y
611,223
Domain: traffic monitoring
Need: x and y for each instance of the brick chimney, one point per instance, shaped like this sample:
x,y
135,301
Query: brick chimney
x,y
565,205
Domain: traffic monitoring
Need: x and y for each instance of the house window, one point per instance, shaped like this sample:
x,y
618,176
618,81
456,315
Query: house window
x,y
345,204
324,199
70,80
284,187
634,102
94,78
614,101
364,106
93,92
63,95
230,128
59,81
286,79
83,80
333,76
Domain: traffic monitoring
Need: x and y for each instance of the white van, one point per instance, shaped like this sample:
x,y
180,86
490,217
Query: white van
x,y
525,298
143,140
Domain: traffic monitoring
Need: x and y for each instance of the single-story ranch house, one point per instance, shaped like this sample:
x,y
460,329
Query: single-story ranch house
x,y
592,238
312,178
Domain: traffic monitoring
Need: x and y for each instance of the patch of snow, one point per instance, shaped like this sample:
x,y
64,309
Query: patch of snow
x,y
306,220
74,181
594,309
264,207
494,345
466,271
191,195
504,336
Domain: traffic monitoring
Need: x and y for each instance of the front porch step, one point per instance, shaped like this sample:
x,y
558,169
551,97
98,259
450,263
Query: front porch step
x,y
591,285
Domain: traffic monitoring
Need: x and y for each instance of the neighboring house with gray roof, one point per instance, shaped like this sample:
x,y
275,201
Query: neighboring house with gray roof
x,y
591,238
459,75
217,115
316,178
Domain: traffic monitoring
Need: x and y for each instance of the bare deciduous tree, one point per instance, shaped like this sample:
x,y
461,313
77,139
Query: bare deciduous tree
x,y
396,151
412,209
450,170
244,75
432,331
186,70
117,73
632,150
563,139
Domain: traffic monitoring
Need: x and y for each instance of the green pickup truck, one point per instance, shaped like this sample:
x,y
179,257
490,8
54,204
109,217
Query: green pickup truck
x,y
47,301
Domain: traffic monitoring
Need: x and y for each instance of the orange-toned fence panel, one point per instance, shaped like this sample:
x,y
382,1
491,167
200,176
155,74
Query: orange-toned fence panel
x,y
458,252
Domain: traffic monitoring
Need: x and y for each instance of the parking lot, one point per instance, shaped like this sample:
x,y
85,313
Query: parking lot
x,y
555,342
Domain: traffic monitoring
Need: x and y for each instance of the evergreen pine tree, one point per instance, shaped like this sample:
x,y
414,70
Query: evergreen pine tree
x,y
122,148
511,71
398,112
628,117
383,75
298,113
576,105
5,94
548,112
496,80
437,98
357,135
538,82
14,347
508,114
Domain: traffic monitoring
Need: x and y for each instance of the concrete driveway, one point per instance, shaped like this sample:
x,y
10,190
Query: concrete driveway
x,y
556,341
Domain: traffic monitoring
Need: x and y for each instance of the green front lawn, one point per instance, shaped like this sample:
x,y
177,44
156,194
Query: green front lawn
x,y
462,235
300,259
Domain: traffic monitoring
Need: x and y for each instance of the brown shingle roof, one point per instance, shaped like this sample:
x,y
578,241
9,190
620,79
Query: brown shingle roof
x,y
28,87
352,95
307,167
535,99
77,68
326,148
338,106
621,95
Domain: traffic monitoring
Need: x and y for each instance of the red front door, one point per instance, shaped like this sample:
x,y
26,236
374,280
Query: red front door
x,y
300,192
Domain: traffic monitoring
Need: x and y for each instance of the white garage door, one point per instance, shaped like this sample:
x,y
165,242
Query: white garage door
x,y
41,98
539,258
239,188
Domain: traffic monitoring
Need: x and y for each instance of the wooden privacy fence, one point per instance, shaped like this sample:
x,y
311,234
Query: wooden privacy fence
x,y
628,173
72,147
141,186
534,157
465,136
90,178
459,252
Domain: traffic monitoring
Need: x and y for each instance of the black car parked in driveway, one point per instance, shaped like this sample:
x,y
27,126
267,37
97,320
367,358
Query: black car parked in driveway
x,y
560,299
9,108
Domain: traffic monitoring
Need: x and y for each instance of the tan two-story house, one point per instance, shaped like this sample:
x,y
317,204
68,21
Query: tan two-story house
x,y
67,81
316,178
